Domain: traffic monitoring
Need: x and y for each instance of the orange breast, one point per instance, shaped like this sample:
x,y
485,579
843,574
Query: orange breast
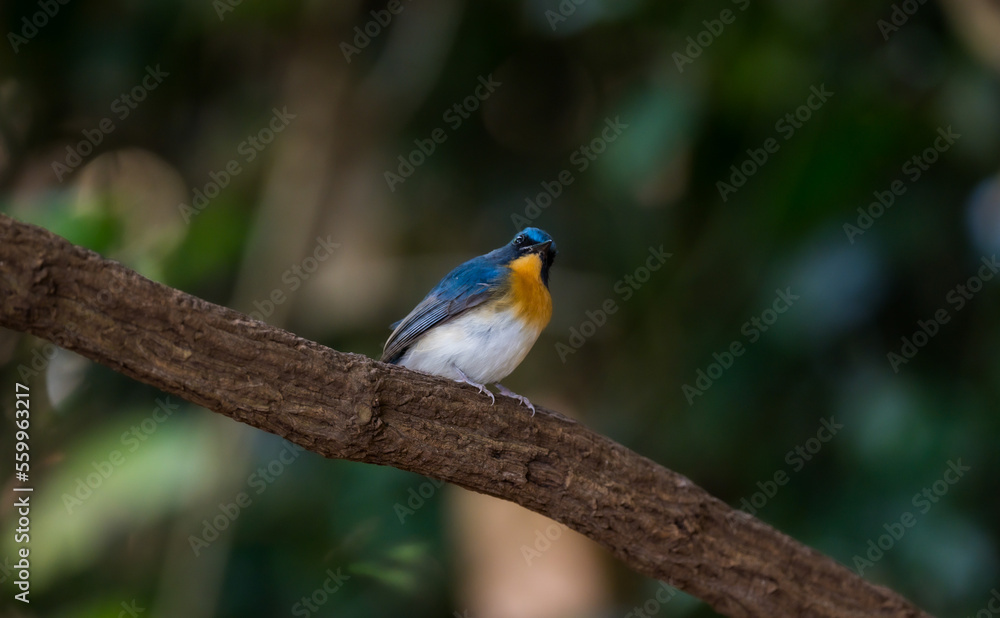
x,y
526,293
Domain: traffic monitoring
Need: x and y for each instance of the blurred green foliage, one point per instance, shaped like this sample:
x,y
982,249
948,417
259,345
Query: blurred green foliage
x,y
657,184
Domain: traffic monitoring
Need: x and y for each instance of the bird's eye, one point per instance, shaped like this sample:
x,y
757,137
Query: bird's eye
x,y
519,240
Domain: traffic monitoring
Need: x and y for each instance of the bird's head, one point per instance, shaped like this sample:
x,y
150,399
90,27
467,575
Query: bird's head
x,y
533,241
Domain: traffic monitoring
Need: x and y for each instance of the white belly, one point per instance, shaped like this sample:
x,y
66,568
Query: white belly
x,y
484,344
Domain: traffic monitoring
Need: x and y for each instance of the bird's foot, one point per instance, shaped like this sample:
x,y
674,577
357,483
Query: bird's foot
x,y
482,387
509,393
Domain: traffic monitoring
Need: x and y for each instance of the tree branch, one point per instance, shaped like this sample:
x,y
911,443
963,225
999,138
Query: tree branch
x,y
348,406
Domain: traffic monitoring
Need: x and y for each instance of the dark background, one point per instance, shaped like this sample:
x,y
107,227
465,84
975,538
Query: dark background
x,y
224,71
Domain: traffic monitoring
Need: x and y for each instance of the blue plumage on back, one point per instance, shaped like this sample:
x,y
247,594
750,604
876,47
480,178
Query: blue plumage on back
x,y
468,286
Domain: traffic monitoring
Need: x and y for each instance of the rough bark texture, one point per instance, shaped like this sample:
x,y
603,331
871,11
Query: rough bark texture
x,y
348,406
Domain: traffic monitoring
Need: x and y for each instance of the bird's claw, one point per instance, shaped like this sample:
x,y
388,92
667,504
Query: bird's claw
x,y
509,393
482,387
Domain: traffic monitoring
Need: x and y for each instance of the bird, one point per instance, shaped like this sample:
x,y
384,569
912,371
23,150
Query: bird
x,y
479,322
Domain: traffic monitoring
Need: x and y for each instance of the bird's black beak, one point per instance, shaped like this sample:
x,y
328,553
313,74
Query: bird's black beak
x,y
542,247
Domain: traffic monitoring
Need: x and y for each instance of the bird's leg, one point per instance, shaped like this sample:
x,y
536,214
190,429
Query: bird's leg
x,y
509,393
482,387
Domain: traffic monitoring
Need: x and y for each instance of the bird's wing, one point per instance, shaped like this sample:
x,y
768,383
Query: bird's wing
x,y
468,286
